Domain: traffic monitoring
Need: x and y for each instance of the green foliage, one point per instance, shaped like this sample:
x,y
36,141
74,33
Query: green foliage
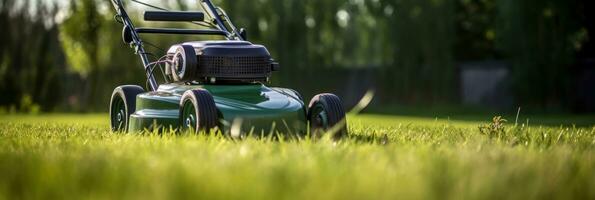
x,y
95,52
539,38
476,30
30,55
28,106
423,36
77,157
80,36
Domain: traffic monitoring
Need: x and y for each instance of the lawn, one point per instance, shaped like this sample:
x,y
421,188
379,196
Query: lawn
x,y
386,157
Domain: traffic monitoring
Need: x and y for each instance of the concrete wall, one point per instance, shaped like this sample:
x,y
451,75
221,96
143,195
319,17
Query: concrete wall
x,y
485,83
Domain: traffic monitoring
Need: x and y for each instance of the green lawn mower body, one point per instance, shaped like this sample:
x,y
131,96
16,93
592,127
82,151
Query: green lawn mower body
x,y
214,85
259,109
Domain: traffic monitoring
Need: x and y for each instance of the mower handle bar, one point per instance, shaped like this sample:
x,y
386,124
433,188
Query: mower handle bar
x,y
174,16
180,31
219,21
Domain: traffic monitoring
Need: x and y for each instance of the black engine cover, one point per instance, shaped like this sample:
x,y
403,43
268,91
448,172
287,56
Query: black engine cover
x,y
229,61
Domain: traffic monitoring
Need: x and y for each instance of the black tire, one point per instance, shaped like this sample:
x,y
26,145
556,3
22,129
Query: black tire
x,y
202,104
122,105
325,111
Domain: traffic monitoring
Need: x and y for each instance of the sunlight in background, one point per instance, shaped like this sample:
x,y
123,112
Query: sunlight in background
x,y
105,7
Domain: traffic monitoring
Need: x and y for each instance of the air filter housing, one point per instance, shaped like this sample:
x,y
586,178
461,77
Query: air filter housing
x,y
227,61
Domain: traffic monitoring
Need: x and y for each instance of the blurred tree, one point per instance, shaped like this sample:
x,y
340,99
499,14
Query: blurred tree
x,y
476,30
421,67
538,37
80,40
31,61
96,53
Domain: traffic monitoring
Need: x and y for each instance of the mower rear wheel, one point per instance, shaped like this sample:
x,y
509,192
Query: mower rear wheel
x,y
198,111
122,105
325,113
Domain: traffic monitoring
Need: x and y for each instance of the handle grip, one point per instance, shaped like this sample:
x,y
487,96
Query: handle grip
x,y
177,16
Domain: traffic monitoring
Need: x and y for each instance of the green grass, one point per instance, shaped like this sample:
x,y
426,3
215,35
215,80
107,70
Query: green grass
x,y
386,157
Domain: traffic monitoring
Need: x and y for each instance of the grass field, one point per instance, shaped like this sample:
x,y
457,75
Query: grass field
x,y
386,157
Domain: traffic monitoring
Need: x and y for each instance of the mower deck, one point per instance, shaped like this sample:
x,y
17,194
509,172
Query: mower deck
x,y
262,110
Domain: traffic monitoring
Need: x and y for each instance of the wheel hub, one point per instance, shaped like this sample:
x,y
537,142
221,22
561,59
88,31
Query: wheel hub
x,y
323,119
120,115
189,122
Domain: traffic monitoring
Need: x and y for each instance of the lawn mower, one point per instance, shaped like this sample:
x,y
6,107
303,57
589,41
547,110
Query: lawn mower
x,y
213,84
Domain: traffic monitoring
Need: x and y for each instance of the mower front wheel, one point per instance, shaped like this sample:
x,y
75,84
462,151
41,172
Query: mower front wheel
x,y
198,111
326,114
122,105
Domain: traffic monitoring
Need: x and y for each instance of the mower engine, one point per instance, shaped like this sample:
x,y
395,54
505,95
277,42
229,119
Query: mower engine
x,y
220,62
